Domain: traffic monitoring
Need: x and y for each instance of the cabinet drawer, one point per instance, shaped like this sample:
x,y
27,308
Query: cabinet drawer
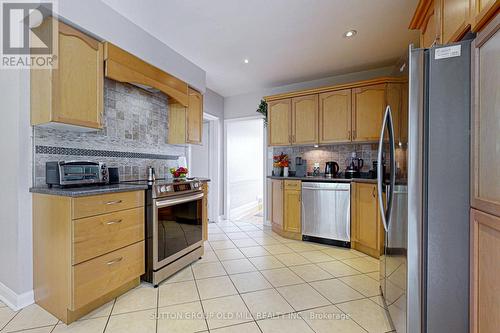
x,y
293,185
106,203
95,236
97,277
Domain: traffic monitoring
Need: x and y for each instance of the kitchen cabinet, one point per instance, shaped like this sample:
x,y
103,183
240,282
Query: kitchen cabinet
x,y
368,106
72,93
454,19
285,207
367,231
482,12
279,122
185,124
344,113
292,204
335,116
403,114
86,250
305,120
194,117
485,178
485,265
277,203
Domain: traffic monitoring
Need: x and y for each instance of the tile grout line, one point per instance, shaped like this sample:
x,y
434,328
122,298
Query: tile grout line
x,y
109,316
199,296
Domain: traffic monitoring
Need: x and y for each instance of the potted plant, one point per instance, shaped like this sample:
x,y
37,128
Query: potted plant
x,y
280,164
262,109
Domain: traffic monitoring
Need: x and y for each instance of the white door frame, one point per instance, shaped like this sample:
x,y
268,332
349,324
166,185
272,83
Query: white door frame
x,y
264,167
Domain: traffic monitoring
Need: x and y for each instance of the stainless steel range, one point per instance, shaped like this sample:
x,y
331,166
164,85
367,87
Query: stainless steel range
x,y
173,227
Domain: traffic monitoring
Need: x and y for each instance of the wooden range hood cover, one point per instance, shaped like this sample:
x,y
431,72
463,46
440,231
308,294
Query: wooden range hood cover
x,y
125,67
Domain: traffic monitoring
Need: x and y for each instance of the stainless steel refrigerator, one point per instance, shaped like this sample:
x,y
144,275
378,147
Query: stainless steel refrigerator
x,y
425,266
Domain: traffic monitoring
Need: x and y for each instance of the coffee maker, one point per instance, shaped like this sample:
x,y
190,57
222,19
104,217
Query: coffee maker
x,y
354,166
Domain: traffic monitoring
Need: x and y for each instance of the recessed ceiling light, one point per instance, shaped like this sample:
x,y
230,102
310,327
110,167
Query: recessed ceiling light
x,y
350,33
246,61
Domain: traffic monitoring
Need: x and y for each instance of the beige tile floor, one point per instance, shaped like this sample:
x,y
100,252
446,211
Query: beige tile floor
x,y
249,280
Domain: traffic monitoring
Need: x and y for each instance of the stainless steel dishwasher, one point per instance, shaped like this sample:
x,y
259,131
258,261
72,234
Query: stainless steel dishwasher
x,y
326,213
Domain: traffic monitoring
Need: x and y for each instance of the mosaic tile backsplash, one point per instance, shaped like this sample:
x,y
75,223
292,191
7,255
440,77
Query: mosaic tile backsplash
x,y
133,137
340,153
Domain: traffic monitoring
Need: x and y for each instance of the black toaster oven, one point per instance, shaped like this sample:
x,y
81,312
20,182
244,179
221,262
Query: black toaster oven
x,y
74,173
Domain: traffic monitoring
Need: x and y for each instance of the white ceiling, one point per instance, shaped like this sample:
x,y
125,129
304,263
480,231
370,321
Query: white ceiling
x,y
286,41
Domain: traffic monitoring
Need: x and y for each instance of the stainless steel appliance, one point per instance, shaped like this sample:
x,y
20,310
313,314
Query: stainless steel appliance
x,y
331,169
300,167
326,213
425,266
74,173
174,236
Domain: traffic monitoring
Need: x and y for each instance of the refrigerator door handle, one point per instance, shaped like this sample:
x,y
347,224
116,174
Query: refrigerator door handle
x,y
386,212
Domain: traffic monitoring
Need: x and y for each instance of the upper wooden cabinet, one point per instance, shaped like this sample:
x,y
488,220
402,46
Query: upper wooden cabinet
x,y
305,120
485,125
185,124
368,104
72,94
279,122
335,116
447,21
194,117
344,113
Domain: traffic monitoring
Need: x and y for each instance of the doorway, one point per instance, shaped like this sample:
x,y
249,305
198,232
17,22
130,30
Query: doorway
x,y
244,181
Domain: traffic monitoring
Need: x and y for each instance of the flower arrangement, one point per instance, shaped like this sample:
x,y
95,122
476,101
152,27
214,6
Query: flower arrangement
x,y
179,172
280,161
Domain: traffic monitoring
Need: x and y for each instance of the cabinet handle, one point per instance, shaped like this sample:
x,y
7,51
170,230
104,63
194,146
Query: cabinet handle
x,y
373,192
114,202
114,261
349,135
114,222
354,134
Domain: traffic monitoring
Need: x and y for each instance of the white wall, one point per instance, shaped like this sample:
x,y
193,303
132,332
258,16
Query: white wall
x,y
245,105
213,104
245,174
16,269
16,276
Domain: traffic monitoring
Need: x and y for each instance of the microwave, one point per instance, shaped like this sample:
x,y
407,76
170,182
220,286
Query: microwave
x,y
75,173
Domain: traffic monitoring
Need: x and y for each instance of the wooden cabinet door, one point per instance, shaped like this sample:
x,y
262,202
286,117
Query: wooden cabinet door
x,y
394,96
454,19
368,111
292,211
279,122
305,120
194,117
485,277
368,233
78,82
429,32
335,116
277,202
482,11
403,129
486,120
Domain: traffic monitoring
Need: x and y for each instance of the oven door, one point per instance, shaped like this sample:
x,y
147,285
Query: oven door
x,y
177,227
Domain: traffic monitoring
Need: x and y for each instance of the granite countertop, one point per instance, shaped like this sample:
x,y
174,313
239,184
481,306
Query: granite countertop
x,y
87,190
327,180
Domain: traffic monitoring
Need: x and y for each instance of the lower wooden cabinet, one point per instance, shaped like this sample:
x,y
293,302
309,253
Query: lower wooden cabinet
x,y
82,259
286,208
485,277
367,231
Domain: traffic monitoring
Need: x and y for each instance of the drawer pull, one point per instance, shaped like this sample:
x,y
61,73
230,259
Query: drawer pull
x,y
114,222
114,202
115,261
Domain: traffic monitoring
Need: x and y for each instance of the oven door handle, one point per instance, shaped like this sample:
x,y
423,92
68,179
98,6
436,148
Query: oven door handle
x,y
176,201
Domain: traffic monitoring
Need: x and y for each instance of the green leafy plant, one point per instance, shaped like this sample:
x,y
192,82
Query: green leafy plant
x,y
262,109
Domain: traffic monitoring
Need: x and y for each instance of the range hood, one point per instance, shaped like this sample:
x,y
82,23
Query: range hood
x,y
125,67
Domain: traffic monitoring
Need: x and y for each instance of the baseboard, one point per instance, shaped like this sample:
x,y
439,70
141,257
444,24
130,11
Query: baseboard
x,y
13,300
244,210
